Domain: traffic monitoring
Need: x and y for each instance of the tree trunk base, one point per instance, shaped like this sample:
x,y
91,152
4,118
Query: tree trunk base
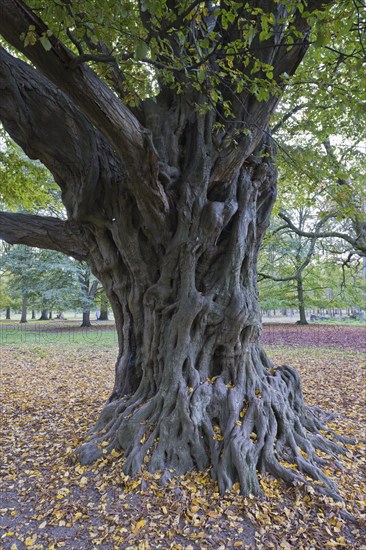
x,y
258,425
103,316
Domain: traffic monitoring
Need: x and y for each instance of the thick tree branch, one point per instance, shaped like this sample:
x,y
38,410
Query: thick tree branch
x,y
48,127
43,232
82,85
129,140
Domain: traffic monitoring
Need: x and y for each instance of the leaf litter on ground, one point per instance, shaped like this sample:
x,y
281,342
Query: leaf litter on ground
x,y
52,395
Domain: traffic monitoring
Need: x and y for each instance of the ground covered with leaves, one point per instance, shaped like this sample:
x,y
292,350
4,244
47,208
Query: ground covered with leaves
x,y
51,394
339,336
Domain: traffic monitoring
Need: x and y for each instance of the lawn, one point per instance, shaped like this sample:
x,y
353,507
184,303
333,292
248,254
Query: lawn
x,y
54,382
65,333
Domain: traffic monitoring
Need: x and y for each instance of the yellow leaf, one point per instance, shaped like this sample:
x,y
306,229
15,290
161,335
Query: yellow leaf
x,y
29,541
164,510
42,525
83,481
238,423
9,534
212,380
139,525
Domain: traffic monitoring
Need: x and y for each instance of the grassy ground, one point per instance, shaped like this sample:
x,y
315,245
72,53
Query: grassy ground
x,y
64,333
51,392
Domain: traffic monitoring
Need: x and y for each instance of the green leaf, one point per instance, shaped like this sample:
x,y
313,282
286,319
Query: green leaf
x,y
205,43
141,50
201,76
45,43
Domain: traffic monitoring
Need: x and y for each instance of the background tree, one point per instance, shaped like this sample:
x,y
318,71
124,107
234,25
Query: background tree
x,y
6,300
88,288
289,256
47,281
104,306
19,265
26,184
330,276
166,166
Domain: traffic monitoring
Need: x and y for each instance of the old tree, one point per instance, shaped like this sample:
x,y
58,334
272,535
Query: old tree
x,y
153,118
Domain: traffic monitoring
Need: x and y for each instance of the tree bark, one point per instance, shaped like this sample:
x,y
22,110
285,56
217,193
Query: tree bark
x,y
23,318
86,319
88,295
103,316
44,315
301,301
7,313
33,314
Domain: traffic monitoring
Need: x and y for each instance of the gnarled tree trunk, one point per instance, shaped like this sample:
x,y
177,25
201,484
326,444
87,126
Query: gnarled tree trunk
x,y
193,386
169,207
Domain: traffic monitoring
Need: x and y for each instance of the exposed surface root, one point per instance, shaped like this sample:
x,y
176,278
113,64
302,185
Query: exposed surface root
x,y
256,426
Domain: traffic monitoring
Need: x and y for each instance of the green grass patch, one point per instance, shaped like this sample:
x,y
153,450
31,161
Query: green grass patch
x,y
73,335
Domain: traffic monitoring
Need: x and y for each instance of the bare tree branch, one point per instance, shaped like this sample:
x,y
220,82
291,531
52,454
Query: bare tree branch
x,y
358,243
43,232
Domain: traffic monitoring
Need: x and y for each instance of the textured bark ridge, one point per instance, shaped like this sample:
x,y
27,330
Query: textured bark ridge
x,y
193,386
